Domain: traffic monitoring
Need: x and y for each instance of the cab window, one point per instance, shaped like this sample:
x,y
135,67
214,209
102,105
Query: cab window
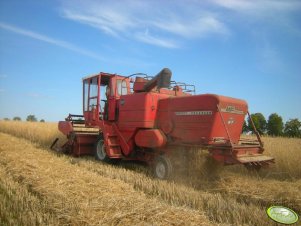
x,y
93,93
121,87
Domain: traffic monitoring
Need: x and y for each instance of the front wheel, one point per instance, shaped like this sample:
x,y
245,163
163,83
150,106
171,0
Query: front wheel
x,y
100,151
162,167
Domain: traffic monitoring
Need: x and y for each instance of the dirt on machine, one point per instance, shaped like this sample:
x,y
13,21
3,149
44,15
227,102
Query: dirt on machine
x,y
145,118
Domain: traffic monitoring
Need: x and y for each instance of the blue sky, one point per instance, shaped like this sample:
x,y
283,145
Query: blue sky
x,y
244,49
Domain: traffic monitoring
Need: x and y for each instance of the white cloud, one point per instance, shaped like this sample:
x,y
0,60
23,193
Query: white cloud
x,y
3,76
107,26
44,38
276,13
199,27
147,38
260,7
235,4
129,19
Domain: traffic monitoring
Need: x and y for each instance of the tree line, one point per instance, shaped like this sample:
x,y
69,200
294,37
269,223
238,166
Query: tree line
x,y
274,126
29,118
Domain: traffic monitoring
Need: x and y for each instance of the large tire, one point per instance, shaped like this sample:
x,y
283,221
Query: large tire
x,y
100,151
162,167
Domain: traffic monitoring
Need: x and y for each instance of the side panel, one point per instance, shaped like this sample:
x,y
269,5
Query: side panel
x,y
138,110
150,138
188,119
231,115
196,119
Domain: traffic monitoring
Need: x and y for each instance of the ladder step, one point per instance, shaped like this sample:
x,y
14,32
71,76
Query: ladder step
x,y
115,151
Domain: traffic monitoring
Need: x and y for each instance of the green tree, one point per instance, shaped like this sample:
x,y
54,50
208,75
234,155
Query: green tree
x,y
292,128
17,118
275,125
6,119
31,118
259,122
42,120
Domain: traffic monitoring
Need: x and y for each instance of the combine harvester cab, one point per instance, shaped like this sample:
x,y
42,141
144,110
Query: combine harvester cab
x,y
147,118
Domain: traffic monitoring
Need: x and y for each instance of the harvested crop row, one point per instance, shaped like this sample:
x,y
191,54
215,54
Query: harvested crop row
x,y
19,205
262,190
224,200
80,197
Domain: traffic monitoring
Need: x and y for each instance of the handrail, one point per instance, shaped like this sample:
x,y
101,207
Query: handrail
x,y
186,87
255,131
138,73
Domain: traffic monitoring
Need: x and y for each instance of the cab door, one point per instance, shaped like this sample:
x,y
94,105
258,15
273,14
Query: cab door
x,y
119,86
91,100
112,99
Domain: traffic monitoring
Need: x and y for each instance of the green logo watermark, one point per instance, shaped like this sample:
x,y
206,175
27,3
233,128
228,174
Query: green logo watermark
x,y
282,215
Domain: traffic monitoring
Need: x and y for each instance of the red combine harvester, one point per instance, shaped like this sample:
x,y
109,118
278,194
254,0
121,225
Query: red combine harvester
x,y
146,118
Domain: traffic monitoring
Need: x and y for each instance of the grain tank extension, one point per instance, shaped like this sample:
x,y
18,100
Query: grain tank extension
x,y
145,118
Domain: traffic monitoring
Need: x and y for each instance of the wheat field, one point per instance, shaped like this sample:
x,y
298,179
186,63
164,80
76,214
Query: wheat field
x,y
41,187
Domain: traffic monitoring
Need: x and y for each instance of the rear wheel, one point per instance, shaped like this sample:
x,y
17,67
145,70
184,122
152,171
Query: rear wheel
x,y
162,167
100,151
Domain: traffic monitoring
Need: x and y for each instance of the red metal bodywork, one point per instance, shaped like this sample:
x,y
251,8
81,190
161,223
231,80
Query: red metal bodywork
x,y
144,123
150,138
197,120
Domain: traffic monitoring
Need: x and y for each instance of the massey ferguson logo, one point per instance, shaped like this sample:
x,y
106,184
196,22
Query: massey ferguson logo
x,y
187,113
232,109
